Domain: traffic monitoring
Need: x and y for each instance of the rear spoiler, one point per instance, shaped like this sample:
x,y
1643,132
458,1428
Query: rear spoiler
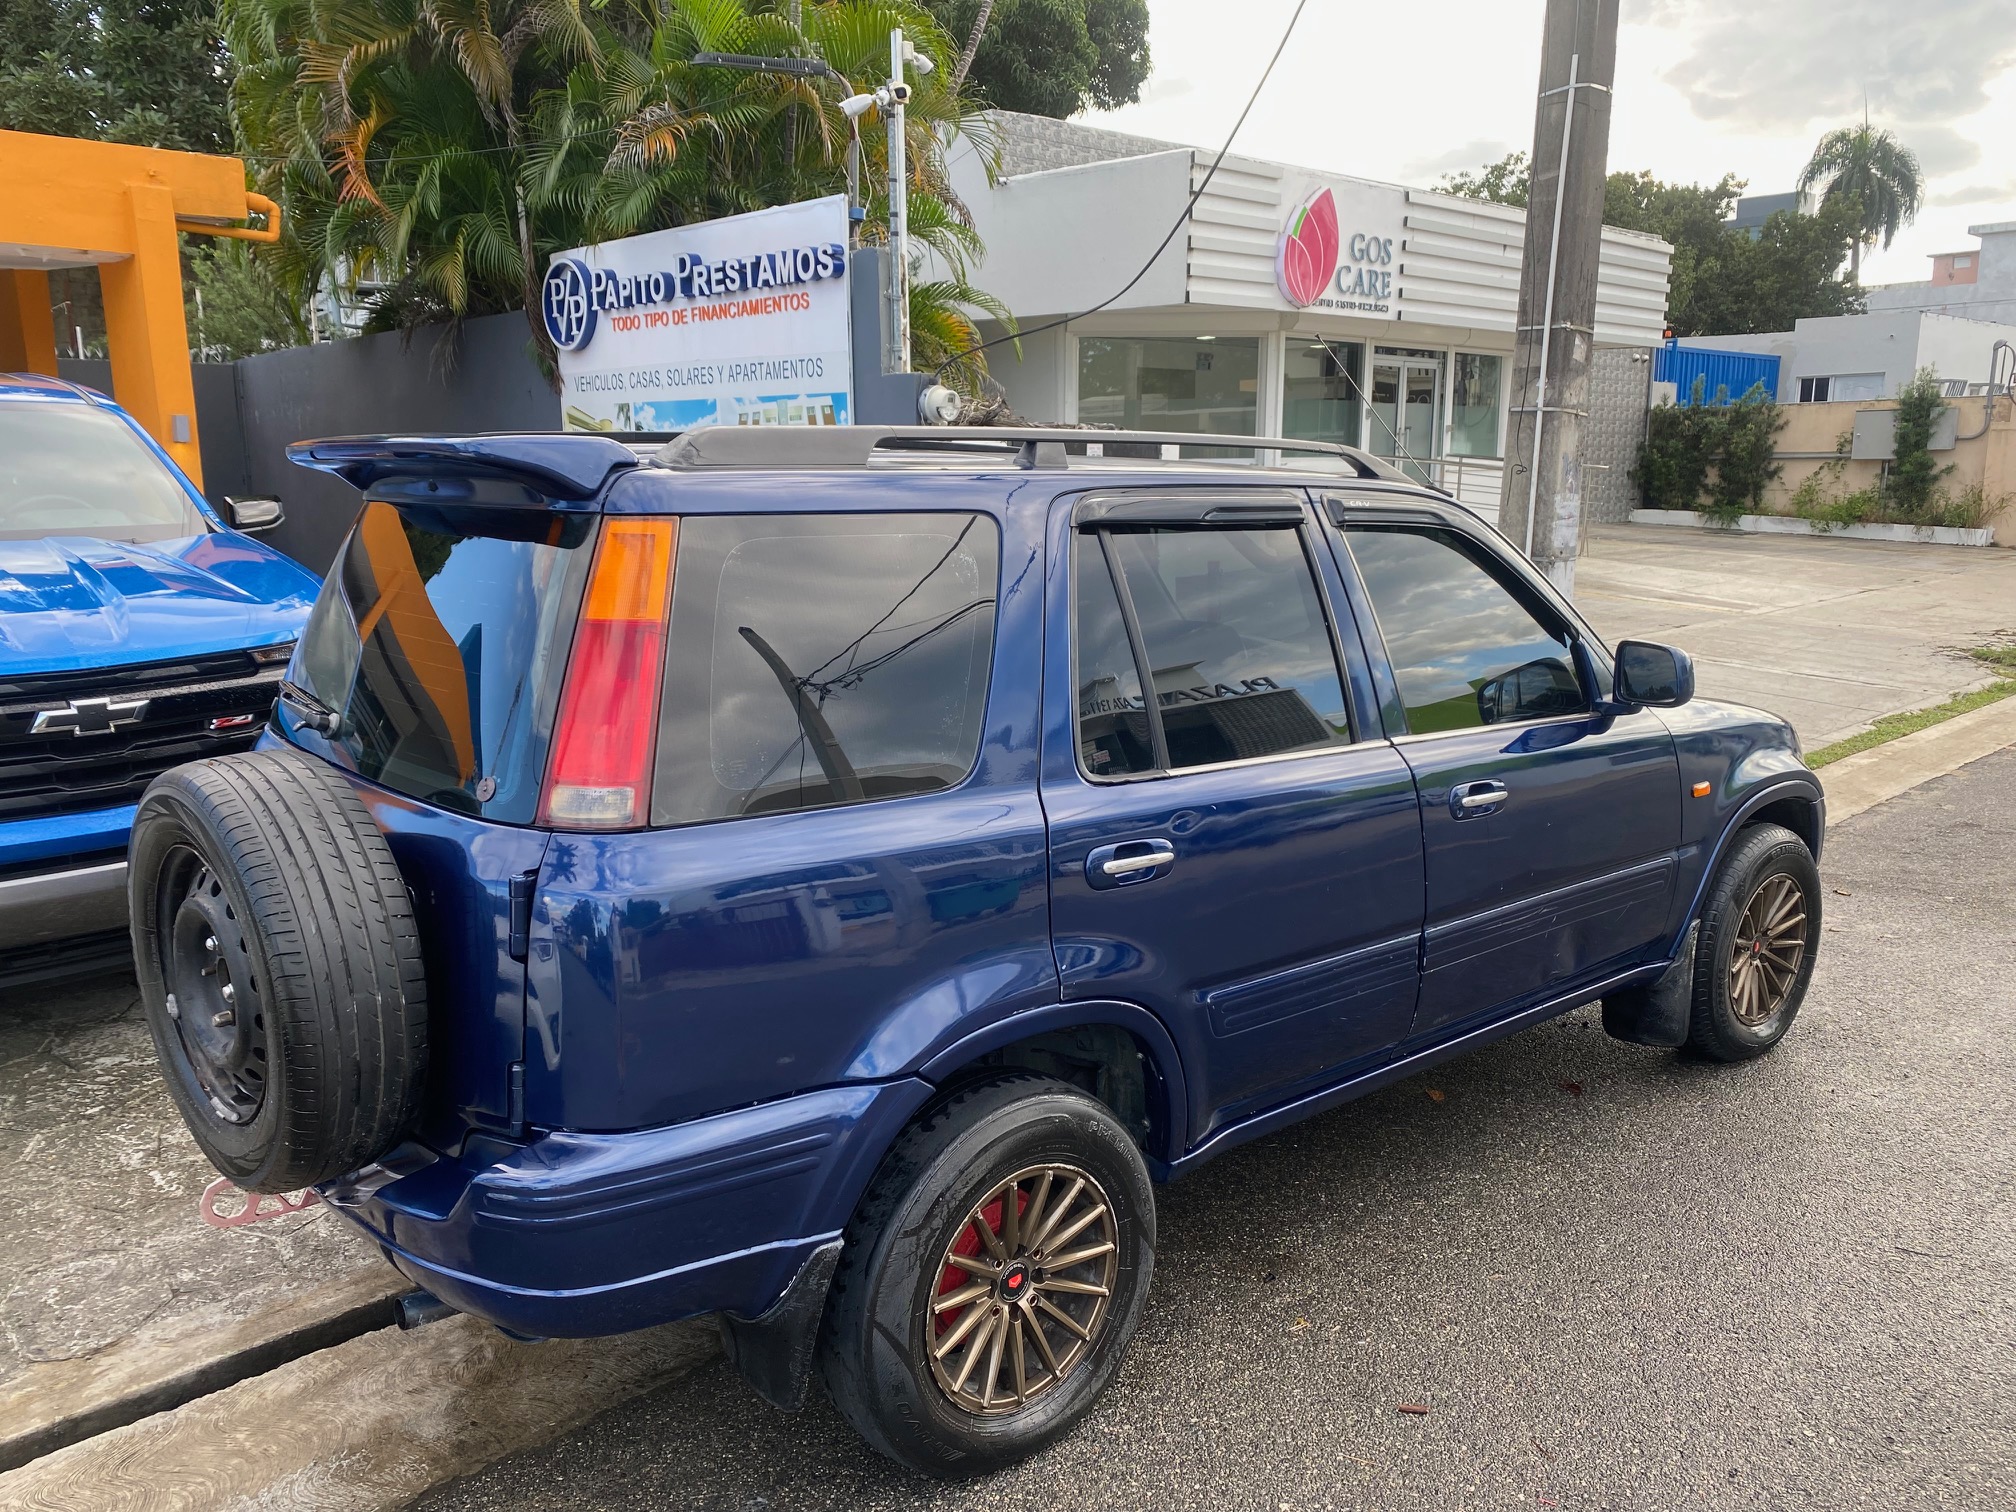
x,y
560,468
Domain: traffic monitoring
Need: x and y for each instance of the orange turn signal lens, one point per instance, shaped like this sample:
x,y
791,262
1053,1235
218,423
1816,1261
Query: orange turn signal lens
x,y
1703,789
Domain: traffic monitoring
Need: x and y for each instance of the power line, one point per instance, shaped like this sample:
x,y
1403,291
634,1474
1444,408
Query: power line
x,y
1181,220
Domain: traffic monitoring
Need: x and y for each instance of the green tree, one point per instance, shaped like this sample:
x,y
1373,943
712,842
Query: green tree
x,y
234,306
1052,57
1914,478
1875,170
442,152
143,71
1723,282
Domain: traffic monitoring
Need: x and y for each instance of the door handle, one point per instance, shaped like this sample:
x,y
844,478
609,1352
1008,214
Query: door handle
x,y
1467,800
1128,862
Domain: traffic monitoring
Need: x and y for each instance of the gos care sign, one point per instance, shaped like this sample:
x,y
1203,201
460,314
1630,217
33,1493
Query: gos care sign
x,y
740,321
1334,256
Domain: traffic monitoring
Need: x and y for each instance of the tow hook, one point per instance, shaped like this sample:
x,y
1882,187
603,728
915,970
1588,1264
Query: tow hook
x,y
256,1209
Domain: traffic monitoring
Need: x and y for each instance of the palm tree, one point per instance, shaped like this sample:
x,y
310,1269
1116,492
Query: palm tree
x,y
1876,170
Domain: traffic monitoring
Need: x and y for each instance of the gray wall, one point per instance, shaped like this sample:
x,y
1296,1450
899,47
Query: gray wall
x,y
481,379
1619,382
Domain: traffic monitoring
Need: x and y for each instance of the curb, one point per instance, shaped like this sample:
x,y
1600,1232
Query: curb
x,y
1857,783
63,1402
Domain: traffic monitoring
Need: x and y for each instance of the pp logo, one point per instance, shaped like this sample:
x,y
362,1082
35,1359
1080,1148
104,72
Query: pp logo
x,y
564,302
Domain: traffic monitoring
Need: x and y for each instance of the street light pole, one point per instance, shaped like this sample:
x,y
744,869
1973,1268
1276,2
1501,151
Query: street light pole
x,y
896,277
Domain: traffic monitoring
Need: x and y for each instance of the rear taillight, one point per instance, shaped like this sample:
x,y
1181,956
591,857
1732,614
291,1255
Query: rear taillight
x,y
607,727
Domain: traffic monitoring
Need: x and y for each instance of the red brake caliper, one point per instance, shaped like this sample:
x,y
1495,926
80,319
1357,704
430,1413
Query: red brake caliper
x,y
968,1243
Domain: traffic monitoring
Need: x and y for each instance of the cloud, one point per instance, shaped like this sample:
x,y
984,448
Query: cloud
x,y
1941,150
1974,194
1784,67
1469,156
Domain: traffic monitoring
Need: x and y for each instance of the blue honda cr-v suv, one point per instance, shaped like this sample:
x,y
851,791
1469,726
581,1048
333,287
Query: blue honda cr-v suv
x,y
824,878
138,630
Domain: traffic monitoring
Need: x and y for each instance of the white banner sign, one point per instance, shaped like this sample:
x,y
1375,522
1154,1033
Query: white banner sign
x,y
740,321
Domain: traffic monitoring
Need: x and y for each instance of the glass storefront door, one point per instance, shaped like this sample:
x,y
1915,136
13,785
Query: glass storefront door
x,y
1406,409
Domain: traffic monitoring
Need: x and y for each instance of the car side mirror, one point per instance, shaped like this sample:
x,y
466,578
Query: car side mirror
x,y
1650,675
251,515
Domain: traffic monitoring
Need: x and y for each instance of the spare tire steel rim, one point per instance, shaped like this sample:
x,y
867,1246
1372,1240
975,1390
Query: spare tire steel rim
x,y
1023,1289
1770,945
213,998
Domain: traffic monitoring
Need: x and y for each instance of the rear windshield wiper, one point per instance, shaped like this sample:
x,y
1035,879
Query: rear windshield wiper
x,y
311,711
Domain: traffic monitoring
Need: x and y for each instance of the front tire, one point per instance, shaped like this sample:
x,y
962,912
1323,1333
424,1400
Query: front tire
x,y
1760,933
963,1334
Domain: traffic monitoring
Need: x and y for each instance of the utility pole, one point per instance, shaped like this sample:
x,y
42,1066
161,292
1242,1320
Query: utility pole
x,y
1540,507
896,275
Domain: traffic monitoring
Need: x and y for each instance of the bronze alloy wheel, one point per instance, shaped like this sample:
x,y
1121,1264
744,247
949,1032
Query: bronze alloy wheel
x,y
1770,944
1023,1289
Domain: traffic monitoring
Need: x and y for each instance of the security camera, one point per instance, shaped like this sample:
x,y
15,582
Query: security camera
x,y
856,106
920,61
938,405
900,93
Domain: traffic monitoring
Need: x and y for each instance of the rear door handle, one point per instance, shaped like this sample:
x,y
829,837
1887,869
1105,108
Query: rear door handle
x,y
1467,800
1129,862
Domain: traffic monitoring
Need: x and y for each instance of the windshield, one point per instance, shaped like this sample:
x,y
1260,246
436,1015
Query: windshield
x,y
74,470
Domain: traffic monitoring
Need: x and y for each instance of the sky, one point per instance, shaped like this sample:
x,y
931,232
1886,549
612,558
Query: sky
x,y
1407,93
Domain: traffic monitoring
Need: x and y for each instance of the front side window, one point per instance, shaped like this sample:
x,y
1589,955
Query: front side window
x,y
75,470
816,660
1465,651
1231,624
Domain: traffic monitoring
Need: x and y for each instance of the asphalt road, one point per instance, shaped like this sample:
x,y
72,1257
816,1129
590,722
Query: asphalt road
x,y
1618,1278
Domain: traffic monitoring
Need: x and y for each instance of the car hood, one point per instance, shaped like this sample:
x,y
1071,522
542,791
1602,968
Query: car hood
x,y
71,602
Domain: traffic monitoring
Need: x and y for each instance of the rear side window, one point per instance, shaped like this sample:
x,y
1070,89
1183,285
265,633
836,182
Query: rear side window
x,y
1465,651
823,659
1231,626
442,639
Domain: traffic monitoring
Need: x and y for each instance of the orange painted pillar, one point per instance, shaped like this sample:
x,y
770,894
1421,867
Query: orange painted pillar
x,y
145,328
27,328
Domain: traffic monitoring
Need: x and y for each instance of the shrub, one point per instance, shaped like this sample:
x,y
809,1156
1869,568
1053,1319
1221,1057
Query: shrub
x,y
1743,463
1913,483
1722,451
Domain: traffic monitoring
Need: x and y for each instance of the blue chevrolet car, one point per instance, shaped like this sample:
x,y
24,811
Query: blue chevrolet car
x,y
138,630
825,878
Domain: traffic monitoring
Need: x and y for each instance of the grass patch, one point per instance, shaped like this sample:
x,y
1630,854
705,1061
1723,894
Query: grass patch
x,y
1892,726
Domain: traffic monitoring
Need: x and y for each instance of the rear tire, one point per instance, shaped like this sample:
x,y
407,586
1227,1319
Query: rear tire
x,y
279,965
1760,932
895,1357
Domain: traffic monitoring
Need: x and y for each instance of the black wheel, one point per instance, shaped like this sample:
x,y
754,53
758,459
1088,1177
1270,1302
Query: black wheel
x,y
279,966
1760,931
992,1277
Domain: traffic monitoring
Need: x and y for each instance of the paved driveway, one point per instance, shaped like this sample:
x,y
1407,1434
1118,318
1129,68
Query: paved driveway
x,y
1831,634
1618,1278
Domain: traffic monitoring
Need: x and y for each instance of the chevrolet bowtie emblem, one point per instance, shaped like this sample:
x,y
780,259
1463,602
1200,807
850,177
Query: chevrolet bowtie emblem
x,y
89,716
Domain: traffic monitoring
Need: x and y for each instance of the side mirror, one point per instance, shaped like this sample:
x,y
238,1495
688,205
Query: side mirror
x,y
251,515
1650,675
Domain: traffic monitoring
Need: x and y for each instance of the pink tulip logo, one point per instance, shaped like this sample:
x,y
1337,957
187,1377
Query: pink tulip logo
x,y
1308,251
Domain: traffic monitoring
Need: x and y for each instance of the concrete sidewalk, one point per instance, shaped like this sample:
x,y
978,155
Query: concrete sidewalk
x,y
1831,634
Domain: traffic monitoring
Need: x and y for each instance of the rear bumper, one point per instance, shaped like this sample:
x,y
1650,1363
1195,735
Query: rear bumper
x,y
582,1234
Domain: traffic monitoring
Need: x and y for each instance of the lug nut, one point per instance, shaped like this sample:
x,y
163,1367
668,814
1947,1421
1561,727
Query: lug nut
x,y
210,943
223,1020
174,1010
227,992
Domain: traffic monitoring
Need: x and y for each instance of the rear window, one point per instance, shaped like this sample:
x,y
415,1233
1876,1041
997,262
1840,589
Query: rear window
x,y
73,470
823,659
441,637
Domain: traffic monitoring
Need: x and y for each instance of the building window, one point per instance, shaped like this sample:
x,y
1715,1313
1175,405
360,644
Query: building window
x,y
1322,390
1173,384
1473,402
1965,261
1814,390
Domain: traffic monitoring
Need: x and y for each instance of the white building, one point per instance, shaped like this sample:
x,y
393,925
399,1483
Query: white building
x,y
1834,357
1977,283
1391,329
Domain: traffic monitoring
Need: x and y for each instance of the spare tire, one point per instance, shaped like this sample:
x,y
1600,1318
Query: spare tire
x,y
279,965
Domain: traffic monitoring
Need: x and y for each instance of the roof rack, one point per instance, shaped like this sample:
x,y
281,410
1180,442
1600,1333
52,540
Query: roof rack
x,y
1027,446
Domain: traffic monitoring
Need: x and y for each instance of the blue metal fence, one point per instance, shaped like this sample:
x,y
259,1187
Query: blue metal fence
x,y
1730,375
